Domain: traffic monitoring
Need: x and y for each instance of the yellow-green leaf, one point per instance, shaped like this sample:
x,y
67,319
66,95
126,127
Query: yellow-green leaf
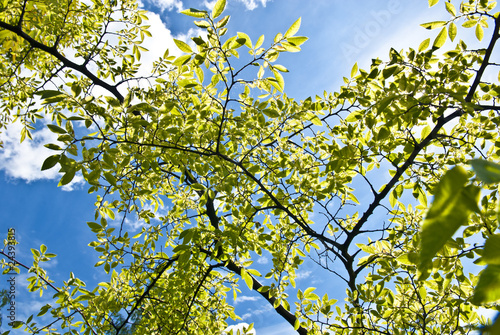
x,y
294,28
424,45
194,12
219,7
247,278
450,8
488,286
433,24
354,70
183,46
452,31
453,201
479,32
440,39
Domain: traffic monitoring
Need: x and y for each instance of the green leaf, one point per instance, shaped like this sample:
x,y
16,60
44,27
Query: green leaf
x,y
469,24
219,7
491,251
452,31
56,129
183,46
488,286
424,45
198,187
67,177
279,79
453,201
272,113
201,24
50,161
440,39
194,13
294,28
354,70
488,172
450,8
110,178
280,68
425,131
297,40
182,60
259,42
46,94
248,41
479,32
222,22
247,278
433,2
433,24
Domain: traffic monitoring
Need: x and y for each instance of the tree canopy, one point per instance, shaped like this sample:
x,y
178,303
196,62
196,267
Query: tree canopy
x,y
247,171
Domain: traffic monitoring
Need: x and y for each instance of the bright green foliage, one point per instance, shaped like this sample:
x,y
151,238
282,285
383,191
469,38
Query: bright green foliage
x,y
439,226
241,167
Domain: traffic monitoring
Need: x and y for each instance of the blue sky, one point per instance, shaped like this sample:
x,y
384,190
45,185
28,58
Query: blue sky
x,y
340,33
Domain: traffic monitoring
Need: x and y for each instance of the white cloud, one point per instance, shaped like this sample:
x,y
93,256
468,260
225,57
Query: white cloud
x,y
24,160
233,330
244,298
303,274
167,4
262,260
252,4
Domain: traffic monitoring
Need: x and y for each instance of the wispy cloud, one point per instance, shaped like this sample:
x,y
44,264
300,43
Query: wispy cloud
x,y
252,4
244,298
167,4
263,260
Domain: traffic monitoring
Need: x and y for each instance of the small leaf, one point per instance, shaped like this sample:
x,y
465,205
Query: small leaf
x,y
50,162
219,7
440,39
259,42
272,113
110,178
194,12
183,46
452,31
67,177
479,32
56,129
433,24
294,28
248,41
469,24
297,40
433,2
182,60
450,8
424,45
247,278
201,24
354,70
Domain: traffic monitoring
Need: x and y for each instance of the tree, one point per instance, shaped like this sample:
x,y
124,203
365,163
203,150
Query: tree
x,y
243,167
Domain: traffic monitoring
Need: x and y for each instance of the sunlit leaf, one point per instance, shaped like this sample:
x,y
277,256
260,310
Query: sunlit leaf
x,y
294,28
453,201
488,286
219,7
488,172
